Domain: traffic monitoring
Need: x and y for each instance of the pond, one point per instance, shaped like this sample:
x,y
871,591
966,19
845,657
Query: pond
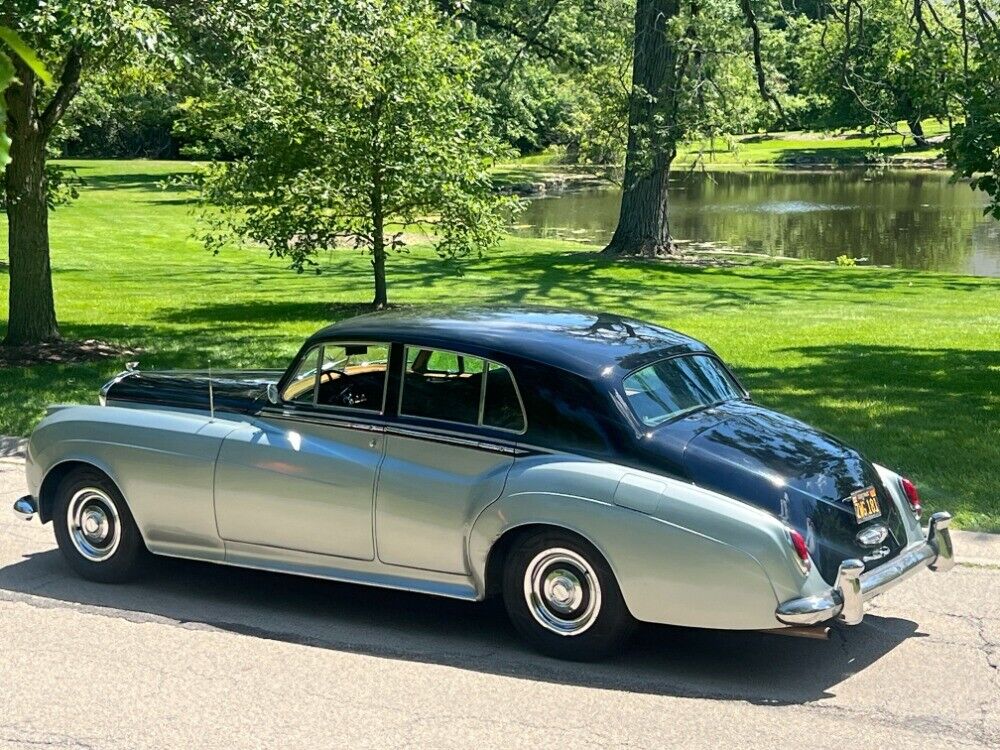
x,y
907,219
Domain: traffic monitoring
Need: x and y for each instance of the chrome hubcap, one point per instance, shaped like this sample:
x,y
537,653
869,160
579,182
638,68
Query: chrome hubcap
x,y
562,591
93,523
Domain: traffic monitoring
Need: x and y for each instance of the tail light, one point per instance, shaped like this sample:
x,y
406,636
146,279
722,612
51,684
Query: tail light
x,y
912,496
801,550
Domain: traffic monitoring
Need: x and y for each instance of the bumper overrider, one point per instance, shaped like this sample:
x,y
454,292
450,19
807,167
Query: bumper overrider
x,y
845,601
26,507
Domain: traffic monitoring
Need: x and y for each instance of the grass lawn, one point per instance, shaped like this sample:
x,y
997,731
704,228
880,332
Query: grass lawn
x,y
904,365
780,149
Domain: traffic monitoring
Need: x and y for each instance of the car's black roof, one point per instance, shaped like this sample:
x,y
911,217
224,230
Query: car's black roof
x,y
584,343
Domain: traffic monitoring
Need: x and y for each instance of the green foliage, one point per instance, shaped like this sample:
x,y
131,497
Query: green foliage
x,y
127,112
364,125
875,62
8,76
845,260
974,149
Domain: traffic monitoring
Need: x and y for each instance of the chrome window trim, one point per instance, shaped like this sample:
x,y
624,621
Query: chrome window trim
x,y
482,390
314,404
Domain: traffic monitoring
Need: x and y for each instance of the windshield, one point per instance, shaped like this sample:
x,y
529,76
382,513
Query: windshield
x,y
671,387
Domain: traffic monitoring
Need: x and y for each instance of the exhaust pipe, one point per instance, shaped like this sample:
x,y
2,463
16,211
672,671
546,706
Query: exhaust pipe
x,y
816,632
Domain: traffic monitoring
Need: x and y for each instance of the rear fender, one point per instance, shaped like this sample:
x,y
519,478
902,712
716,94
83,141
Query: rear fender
x,y
712,568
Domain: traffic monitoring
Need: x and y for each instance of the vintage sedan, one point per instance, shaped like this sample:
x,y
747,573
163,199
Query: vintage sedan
x,y
593,470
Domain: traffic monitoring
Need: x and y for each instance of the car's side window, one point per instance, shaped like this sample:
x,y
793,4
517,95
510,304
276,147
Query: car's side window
x,y
441,385
353,376
501,405
350,376
302,386
459,388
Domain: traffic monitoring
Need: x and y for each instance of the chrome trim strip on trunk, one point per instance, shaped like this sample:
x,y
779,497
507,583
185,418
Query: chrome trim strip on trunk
x,y
845,600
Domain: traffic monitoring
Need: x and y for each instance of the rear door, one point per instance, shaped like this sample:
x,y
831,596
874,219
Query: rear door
x,y
302,475
447,456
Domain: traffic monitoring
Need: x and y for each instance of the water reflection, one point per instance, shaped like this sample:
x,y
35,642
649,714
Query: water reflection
x,y
908,219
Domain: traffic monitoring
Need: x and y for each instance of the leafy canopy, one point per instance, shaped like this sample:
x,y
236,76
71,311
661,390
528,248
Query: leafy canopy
x,y
8,76
363,124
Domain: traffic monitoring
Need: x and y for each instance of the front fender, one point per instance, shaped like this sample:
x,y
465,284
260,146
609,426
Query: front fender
x,y
162,462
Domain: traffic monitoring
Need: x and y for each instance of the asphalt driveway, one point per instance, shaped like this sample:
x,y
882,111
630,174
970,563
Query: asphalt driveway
x,y
212,657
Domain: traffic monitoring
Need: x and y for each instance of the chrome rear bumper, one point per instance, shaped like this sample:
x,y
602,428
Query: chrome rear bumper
x,y
26,507
846,599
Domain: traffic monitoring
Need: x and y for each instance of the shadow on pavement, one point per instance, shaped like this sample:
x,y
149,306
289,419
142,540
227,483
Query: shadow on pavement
x,y
754,667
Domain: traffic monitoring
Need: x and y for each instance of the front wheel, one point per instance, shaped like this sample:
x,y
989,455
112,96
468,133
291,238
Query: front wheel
x,y
95,529
562,597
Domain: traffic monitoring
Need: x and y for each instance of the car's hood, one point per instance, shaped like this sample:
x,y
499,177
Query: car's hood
x,y
241,391
775,462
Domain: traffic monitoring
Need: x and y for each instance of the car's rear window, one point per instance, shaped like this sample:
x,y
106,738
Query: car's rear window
x,y
674,386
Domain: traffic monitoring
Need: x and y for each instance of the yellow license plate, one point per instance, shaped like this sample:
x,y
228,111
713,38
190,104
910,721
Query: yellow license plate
x,y
865,504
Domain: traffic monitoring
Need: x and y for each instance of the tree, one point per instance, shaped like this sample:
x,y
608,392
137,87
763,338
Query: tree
x,y
362,125
974,148
71,36
8,76
878,62
689,64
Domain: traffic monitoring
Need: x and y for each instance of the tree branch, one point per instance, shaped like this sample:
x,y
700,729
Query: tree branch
x,y
529,42
758,63
69,85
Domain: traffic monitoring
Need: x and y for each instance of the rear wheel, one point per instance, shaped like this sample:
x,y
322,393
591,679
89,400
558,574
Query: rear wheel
x,y
95,529
562,597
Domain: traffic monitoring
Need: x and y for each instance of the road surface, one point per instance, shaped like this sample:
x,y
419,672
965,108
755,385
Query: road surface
x,y
202,656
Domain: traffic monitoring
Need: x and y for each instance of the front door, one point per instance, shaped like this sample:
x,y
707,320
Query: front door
x,y
302,475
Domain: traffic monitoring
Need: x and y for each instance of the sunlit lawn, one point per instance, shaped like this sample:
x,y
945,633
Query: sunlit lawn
x,y
904,365
765,150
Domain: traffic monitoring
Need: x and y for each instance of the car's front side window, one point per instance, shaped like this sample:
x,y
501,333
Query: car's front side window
x,y
341,375
671,387
459,388
301,388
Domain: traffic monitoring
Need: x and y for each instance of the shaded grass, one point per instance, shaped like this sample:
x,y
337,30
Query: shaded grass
x,y
902,364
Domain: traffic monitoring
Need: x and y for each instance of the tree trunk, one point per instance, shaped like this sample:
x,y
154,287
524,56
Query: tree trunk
x,y
378,263
643,222
378,245
917,131
32,314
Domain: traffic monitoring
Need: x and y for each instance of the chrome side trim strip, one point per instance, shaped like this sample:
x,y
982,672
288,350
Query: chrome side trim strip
x,y
331,420
325,419
448,439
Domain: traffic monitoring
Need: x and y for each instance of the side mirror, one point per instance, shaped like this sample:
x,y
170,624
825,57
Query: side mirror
x,y
272,393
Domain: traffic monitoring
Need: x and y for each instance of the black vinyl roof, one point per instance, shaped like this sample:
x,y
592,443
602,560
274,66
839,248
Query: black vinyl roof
x,y
584,343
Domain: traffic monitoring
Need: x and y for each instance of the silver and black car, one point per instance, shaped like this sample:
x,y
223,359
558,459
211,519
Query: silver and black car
x,y
591,469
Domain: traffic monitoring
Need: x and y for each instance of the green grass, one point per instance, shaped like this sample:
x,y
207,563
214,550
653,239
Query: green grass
x,y
792,148
904,365
802,148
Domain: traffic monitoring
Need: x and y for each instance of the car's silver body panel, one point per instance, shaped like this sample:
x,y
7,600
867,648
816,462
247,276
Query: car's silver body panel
x,y
358,500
